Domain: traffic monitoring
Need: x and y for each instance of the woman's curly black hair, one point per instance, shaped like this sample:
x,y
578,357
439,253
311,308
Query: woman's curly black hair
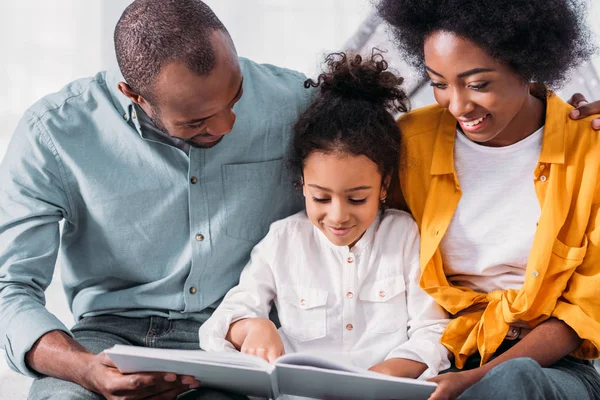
x,y
352,113
541,39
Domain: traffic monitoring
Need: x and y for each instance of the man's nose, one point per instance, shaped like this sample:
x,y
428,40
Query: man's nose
x,y
223,124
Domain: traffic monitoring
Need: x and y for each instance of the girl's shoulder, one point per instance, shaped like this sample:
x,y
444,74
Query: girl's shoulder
x,y
295,222
397,222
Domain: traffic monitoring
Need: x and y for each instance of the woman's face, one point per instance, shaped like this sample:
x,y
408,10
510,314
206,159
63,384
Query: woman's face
x,y
490,100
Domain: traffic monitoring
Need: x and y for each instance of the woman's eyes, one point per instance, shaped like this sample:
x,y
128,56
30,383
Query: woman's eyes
x,y
438,85
479,86
442,86
353,201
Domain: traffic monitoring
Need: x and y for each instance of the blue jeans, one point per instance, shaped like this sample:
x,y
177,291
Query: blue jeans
x,y
525,379
100,333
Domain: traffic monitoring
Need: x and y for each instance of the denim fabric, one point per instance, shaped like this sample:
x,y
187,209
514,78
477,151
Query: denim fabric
x,y
525,379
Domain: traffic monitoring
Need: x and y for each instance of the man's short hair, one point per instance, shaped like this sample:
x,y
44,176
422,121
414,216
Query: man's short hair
x,y
153,33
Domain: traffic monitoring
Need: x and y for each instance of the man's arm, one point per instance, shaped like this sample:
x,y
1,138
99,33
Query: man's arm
x,y
33,199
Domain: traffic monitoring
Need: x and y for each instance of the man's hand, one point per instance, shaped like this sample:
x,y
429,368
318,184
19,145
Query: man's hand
x,y
256,336
584,109
102,376
452,384
57,354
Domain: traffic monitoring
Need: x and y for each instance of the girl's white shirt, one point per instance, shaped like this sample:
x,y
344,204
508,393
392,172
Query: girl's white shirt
x,y
364,304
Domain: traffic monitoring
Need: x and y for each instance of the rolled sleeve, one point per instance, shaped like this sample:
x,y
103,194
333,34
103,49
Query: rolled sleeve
x,y
32,202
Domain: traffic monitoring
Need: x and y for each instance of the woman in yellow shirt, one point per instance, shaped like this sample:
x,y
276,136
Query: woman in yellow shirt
x,y
505,188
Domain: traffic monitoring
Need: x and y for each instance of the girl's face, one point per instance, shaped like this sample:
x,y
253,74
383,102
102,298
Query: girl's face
x,y
342,194
490,100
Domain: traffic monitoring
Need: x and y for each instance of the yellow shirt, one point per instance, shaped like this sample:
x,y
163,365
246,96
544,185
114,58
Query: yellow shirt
x,y
563,270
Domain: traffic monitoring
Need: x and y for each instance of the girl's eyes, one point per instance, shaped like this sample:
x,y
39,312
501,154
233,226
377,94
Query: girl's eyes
x,y
353,201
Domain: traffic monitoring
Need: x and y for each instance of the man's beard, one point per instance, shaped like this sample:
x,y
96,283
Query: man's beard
x,y
161,127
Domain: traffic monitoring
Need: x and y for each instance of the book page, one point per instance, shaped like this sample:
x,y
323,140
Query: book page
x,y
217,358
330,361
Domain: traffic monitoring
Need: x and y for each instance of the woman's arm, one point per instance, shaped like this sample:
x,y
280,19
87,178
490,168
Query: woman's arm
x,y
547,343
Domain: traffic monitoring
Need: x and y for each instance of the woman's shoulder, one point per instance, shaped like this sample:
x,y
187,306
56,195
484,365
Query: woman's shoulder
x,y
421,120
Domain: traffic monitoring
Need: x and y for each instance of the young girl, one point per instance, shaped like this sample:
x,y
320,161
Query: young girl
x,y
506,191
344,273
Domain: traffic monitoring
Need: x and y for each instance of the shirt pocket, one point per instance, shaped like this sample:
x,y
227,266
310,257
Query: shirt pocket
x,y
384,304
303,312
256,194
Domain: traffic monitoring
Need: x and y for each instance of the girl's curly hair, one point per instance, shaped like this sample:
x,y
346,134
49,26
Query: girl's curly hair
x,y
352,112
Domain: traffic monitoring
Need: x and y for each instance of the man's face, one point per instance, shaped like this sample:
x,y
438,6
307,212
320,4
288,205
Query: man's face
x,y
198,109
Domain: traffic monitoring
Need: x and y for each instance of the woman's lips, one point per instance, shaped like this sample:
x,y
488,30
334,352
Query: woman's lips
x,y
474,124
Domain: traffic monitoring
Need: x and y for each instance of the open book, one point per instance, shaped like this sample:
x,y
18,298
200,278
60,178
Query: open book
x,y
298,374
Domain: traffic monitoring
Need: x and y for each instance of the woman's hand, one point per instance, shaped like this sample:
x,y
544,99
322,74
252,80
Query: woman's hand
x,y
584,109
453,384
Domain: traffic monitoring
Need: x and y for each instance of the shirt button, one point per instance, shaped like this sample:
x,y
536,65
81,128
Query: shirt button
x,y
193,290
194,180
134,115
350,260
535,273
349,327
125,117
199,237
542,167
302,302
543,178
349,295
382,294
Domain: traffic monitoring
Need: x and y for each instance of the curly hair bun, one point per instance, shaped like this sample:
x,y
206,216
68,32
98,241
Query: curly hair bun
x,y
349,76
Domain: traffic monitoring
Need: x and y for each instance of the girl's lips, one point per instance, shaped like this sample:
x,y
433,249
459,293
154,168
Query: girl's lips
x,y
470,127
339,231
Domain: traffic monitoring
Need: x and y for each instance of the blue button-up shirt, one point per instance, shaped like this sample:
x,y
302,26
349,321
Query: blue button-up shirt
x,y
150,227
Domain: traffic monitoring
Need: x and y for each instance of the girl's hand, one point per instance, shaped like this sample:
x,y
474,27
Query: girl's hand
x,y
452,384
262,340
401,367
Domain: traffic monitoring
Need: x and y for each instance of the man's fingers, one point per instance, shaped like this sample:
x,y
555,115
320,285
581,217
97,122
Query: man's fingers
x,y
589,109
189,380
576,99
105,360
596,124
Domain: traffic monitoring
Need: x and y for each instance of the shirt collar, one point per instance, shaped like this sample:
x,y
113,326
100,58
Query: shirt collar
x,y
553,142
122,103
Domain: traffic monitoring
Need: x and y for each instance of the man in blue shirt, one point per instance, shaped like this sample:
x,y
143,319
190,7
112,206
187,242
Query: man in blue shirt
x,y
161,195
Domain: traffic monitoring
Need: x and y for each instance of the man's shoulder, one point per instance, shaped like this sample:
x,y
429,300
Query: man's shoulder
x,y
273,83
71,99
269,71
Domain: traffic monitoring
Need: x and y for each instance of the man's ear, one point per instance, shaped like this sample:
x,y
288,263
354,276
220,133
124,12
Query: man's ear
x,y
131,94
